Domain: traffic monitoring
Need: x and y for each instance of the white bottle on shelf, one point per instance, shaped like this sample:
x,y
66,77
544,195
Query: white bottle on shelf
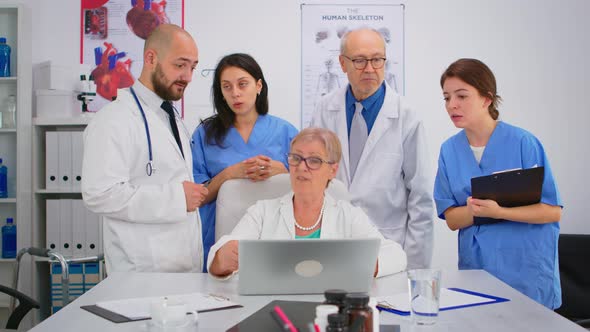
x,y
9,112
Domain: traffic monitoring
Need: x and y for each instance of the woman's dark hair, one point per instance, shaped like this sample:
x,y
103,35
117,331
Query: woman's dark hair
x,y
479,76
217,125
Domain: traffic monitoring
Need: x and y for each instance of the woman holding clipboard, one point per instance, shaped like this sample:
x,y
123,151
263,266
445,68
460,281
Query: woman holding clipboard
x,y
520,249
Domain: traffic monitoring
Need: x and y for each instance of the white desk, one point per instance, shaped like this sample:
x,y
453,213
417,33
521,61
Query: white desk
x,y
519,314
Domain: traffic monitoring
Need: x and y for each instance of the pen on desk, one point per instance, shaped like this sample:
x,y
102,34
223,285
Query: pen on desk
x,y
277,318
313,327
284,318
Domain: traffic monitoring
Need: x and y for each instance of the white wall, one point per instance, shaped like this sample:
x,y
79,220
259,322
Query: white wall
x,y
537,49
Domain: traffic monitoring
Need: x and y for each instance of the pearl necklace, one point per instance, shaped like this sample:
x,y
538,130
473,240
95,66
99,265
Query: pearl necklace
x,y
316,223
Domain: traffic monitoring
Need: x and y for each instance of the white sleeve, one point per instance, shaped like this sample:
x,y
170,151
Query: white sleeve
x,y
418,243
109,157
392,258
249,227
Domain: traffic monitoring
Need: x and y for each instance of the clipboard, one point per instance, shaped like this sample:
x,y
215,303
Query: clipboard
x,y
483,300
299,312
509,189
202,304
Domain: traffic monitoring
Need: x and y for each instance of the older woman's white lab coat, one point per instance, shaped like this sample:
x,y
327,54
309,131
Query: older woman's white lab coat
x,y
274,219
146,225
392,183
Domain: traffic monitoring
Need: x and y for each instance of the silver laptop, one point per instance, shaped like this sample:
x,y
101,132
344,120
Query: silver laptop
x,y
306,266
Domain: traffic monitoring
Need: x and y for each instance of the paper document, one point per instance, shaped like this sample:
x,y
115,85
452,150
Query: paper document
x,y
450,298
139,308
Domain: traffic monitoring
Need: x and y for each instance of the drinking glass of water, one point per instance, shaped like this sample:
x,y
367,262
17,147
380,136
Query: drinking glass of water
x,y
424,295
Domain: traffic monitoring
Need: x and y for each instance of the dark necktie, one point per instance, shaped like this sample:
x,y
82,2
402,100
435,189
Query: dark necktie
x,y
167,107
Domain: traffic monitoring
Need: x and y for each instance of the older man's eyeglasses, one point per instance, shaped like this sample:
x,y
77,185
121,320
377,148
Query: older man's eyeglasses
x,y
312,162
361,63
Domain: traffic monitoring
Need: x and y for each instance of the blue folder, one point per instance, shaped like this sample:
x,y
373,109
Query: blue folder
x,y
491,299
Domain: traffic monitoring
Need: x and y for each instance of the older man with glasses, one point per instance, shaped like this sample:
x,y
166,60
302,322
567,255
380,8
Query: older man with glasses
x,y
385,161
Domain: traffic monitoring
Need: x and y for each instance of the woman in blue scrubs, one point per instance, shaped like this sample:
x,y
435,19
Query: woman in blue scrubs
x,y
520,249
240,141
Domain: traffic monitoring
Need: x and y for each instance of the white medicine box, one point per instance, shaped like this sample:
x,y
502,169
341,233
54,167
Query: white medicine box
x,y
50,75
57,104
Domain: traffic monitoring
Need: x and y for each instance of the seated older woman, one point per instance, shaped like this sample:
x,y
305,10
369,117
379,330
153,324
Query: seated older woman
x,y
306,212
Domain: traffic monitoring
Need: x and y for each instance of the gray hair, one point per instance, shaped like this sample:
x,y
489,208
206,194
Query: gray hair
x,y
344,38
327,137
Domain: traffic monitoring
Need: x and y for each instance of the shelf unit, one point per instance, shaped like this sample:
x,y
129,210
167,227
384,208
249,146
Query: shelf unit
x,y
7,200
41,194
15,144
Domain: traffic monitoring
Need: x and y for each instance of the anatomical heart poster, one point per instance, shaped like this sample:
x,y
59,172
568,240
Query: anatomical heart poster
x,y
112,36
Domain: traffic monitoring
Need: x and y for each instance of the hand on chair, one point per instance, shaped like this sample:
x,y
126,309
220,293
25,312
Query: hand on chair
x,y
259,168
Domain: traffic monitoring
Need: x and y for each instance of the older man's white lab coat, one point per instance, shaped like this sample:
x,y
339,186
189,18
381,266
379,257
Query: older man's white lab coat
x,y
146,225
392,183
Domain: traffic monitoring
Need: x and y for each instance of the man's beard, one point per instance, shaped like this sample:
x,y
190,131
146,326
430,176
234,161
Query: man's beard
x,y
164,91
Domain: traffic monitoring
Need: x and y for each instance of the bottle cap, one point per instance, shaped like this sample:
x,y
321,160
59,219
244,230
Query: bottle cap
x,y
9,220
324,310
337,320
357,299
2,40
335,295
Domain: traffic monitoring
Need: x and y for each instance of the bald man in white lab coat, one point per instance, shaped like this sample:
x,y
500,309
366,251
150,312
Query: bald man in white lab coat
x,y
148,199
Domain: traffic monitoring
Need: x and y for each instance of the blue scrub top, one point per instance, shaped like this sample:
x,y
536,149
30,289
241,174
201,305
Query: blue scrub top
x,y
270,136
522,255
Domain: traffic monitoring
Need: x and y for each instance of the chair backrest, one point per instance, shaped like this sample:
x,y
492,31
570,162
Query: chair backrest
x,y
574,254
25,304
237,195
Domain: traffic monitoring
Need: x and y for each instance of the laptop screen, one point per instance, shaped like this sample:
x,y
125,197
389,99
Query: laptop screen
x,y
306,266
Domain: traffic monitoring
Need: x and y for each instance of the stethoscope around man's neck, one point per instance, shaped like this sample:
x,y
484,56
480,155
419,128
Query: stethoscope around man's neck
x,y
149,167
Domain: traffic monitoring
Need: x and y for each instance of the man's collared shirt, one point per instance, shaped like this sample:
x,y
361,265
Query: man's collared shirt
x,y
150,100
371,107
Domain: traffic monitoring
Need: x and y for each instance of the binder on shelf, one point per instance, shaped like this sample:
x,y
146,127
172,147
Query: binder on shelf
x,y
76,284
77,155
78,228
52,224
65,159
76,280
56,294
51,160
91,275
92,234
100,243
66,233
509,189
